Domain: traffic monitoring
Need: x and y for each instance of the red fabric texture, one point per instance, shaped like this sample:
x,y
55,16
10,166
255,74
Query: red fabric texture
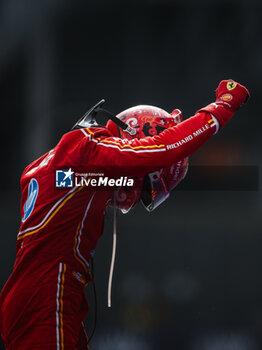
x,y
45,312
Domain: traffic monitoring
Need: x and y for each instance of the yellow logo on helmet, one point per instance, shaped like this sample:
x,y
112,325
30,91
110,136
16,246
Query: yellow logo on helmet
x,y
231,85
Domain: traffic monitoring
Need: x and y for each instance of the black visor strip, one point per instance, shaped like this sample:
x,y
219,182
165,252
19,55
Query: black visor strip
x,y
114,119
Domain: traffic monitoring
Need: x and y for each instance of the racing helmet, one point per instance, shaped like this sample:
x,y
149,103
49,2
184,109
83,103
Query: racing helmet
x,y
142,121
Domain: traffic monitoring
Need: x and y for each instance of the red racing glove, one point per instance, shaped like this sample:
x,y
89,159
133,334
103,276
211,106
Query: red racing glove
x,y
230,96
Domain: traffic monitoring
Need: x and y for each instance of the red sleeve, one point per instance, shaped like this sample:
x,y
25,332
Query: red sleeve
x,y
140,156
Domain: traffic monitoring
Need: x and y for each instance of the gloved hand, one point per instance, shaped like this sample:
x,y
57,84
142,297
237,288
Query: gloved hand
x,y
230,95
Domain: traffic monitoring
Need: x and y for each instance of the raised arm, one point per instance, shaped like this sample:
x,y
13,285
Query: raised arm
x,y
138,156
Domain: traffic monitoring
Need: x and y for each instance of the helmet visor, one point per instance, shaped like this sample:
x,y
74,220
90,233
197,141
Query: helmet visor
x,y
154,191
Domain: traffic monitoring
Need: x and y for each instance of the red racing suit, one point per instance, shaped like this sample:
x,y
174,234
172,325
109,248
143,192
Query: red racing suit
x,y
43,304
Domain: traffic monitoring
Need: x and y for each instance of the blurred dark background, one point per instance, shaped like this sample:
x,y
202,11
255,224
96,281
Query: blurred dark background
x,y
188,276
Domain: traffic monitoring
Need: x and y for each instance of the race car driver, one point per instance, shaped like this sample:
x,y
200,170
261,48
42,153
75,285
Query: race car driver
x,y
42,305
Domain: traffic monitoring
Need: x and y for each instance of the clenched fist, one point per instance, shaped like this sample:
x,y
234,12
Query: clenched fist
x,y
230,95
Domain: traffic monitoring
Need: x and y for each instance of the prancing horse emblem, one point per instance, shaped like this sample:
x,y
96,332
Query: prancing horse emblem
x,y
231,85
